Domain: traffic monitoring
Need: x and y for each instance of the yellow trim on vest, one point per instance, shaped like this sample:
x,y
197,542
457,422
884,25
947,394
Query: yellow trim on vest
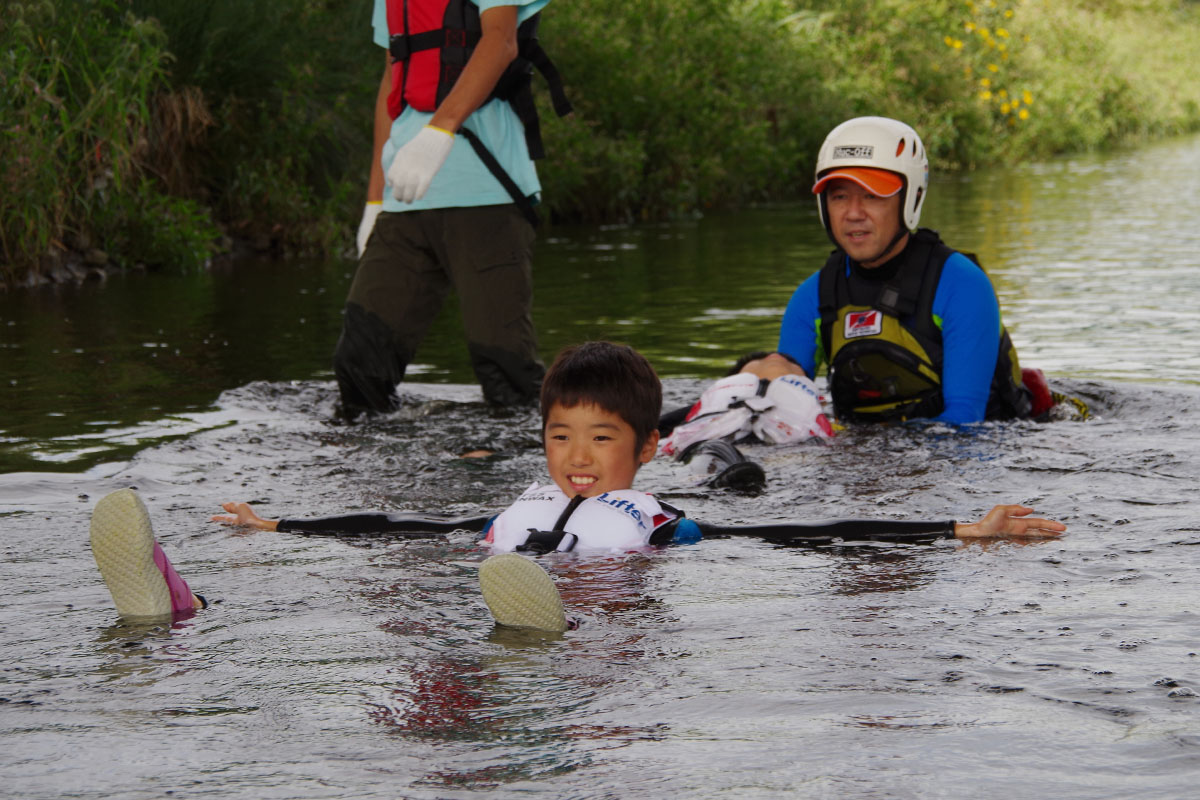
x,y
890,331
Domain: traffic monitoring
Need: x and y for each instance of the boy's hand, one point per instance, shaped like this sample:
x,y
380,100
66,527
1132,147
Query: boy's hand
x,y
243,514
1009,520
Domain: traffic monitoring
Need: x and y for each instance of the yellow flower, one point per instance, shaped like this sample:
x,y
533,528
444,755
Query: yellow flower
x,y
1008,13
993,68
1003,34
1002,94
1016,101
949,41
958,44
984,32
985,82
985,95
1027,97
1002,47
970,26
1005,108
1023,113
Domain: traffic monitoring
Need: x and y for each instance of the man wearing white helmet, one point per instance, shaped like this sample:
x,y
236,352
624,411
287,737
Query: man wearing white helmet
x,y
908,327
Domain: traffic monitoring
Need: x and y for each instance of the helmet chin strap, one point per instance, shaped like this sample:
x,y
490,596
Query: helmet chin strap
x,y
900,234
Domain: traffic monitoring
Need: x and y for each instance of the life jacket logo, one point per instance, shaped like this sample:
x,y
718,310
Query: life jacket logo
x,y
541,494
623,505
854,151
863,323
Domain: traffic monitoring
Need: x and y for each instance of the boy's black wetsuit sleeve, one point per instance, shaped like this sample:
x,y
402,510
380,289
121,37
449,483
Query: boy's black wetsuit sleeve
x,y
851,530
683,530
383,524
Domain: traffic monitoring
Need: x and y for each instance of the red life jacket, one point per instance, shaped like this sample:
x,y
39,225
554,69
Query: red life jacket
x,y
432,40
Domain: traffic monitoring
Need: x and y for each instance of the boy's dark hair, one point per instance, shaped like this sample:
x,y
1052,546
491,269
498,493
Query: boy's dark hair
x,y
614,377
755,356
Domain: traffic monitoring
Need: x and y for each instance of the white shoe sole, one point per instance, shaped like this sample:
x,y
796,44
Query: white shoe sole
x,y
123,546
520,594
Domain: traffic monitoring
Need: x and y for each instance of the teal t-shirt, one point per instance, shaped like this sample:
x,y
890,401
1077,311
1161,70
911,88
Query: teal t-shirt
x,y
463,180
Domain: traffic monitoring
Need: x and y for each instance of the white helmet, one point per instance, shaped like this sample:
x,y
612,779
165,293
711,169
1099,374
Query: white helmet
x,y
876,143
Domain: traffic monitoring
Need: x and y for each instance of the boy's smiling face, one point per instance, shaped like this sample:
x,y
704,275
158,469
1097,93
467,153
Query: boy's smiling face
x,y
590,451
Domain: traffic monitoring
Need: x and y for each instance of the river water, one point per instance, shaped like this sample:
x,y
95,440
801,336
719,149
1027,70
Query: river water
x,y
730,668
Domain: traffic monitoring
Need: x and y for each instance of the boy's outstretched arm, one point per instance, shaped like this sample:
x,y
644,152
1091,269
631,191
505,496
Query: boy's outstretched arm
x,y
1001,521
1009,520
243,514
355,524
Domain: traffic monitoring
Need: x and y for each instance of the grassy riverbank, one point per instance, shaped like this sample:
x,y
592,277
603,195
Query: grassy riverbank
x,y
155,132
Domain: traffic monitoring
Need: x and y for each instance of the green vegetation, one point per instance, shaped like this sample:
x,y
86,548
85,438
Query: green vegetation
x,y
155,130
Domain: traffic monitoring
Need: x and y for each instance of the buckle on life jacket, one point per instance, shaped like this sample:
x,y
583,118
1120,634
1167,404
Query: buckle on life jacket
x,y
558,539
540,542
403,45
398,46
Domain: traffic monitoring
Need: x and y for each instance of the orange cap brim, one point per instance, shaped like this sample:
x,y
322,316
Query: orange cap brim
x,y
878,182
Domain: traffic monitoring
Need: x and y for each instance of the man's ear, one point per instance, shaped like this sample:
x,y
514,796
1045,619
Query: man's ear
x,y
649,448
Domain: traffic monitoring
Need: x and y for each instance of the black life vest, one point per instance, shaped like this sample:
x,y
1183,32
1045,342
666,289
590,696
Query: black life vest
x,y
431,42
884,349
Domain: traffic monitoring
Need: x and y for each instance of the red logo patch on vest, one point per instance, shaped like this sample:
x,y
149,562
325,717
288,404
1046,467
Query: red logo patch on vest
x,y
863,323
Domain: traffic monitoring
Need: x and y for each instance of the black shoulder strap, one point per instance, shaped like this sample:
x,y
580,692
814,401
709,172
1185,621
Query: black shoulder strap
x,y
901,296
827,298
918,282
561,522
558,96
522,202
516,87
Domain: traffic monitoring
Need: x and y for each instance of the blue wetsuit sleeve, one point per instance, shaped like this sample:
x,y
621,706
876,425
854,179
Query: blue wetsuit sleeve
x,y
798,331
969,315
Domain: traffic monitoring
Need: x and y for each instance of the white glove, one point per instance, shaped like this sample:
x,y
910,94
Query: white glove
x,y
416,163
370,212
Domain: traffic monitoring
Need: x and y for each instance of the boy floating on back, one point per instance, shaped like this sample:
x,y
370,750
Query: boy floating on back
x,y
600,406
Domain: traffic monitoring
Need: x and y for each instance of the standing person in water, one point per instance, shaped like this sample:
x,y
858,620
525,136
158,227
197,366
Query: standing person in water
x,y
600,406
450,198
907,326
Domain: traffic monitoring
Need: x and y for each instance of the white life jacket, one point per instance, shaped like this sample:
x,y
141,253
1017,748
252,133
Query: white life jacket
x,y
613,521
786,410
